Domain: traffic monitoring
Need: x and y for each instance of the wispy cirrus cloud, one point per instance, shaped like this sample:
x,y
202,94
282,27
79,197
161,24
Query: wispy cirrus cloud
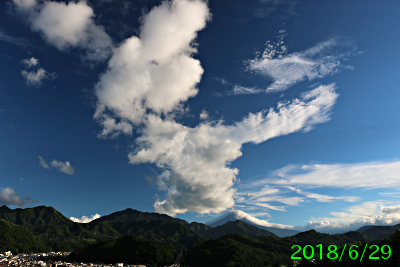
x,y
269,7
358,175
14,40
242,90
43,163
270,207
287,69
323,198
267,196
64,167
238,89
251,197
305,180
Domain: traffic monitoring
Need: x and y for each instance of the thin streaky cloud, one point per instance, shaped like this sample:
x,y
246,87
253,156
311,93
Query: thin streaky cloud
x,y
242,90
21,42
323,198
238,89
358,175
43,163
287,69
269,206
291,201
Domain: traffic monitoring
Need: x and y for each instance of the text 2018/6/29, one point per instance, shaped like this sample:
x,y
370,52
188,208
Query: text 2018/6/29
x,y
308,252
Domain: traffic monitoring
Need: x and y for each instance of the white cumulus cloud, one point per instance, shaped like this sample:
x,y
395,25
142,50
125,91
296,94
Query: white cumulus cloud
x,y
155,71
31,62
367,213
64,167
8,196
33,73
67,25
35,76
85,219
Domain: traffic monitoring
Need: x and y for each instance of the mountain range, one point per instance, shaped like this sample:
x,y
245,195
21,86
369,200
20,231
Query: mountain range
x,y
43,228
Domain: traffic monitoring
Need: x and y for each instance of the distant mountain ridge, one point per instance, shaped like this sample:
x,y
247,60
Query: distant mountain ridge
x,y
131,231
379,232
64,234
60,233
364,228
234,216
132,215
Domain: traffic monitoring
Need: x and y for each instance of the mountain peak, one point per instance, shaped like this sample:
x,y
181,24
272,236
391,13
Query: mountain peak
x,y
234,215
4,208
132,215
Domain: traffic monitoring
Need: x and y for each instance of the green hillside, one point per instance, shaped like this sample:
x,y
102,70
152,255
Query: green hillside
x,y
238,250
379,232
17,239
160,231
127,249
244,242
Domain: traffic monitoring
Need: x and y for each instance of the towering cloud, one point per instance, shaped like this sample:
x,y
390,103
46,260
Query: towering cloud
x,y
150,77
155,71
198,177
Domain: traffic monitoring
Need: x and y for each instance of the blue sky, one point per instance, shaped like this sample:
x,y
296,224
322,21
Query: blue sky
x,y
280,110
